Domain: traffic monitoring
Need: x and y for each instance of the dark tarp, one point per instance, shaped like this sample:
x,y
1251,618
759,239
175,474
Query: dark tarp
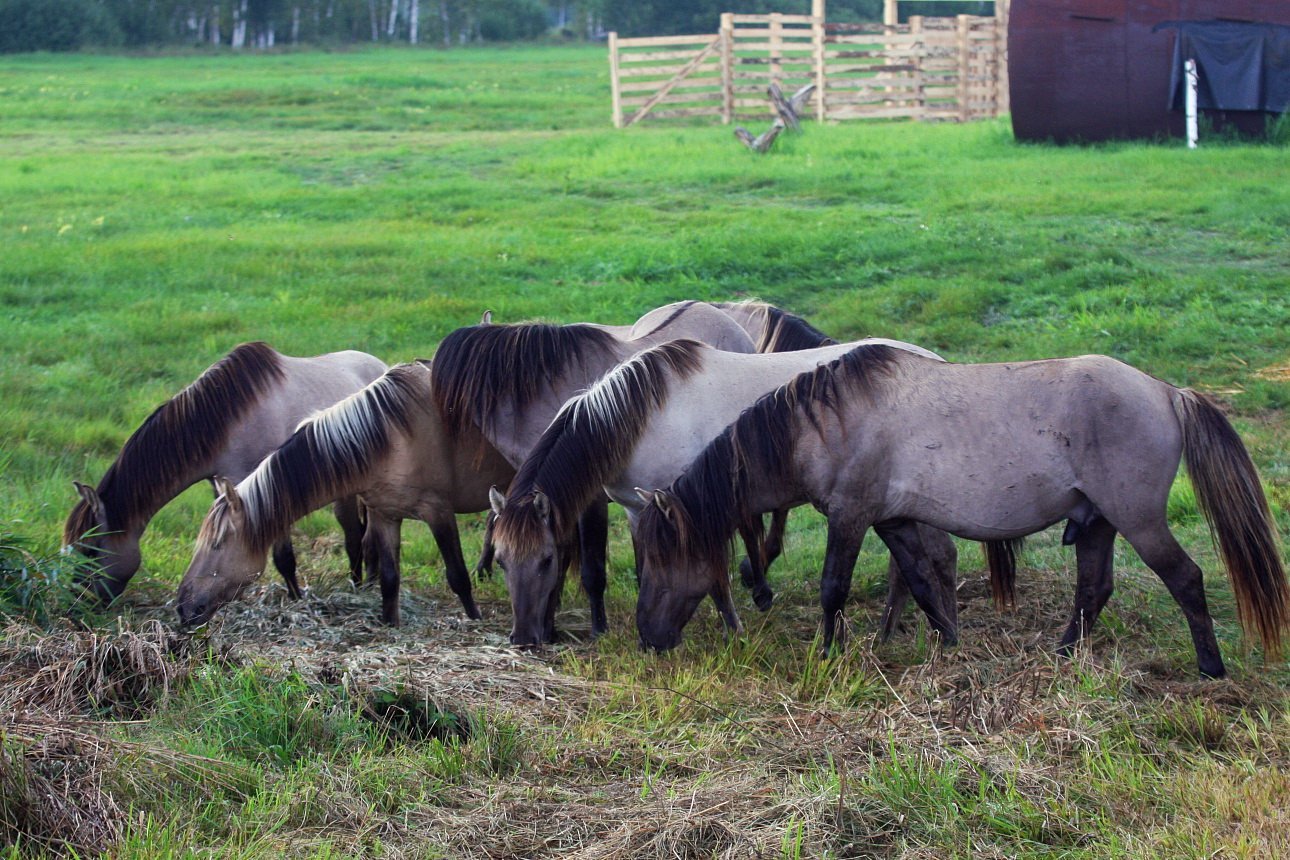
x,y
1240,66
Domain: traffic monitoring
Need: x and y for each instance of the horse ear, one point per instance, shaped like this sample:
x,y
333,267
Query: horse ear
x,y
225,488
487,318
664,503
496,500
90,496
542,505
646,496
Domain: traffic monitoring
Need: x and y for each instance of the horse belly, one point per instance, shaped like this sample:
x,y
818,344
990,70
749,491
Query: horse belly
x,y
982,492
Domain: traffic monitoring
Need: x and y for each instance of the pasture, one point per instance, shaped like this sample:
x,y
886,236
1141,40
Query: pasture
x,y
155,211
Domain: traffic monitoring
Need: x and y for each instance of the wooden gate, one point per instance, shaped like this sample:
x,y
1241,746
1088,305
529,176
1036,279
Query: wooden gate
x,y
927,69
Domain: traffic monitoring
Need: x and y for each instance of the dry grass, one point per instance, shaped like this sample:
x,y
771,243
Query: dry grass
x,y
753,749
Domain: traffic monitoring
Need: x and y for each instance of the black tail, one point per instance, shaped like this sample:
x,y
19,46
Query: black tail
x,y
1230,496
1001,558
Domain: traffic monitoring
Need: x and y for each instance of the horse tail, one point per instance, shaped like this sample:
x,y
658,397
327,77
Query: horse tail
x,y
1001,558
1231,499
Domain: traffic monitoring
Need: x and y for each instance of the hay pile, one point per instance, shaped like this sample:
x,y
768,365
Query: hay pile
x,y
63,763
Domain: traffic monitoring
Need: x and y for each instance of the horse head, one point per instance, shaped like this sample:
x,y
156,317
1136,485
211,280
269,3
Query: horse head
x,y
114,553
224,562
673,581
527,550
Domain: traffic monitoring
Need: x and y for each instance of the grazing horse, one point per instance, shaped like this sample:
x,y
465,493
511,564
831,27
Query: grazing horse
x,y
641,423
992,452
385,444
224,423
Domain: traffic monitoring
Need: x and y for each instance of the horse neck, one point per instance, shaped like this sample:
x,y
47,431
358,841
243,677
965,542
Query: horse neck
x,y
130,511
517,432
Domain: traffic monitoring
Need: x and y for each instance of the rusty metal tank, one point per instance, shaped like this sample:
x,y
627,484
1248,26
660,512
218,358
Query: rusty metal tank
x,y
1090,70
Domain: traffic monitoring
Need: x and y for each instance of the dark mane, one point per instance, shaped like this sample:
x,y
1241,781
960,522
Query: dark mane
x,y
325,456
477,368
702,512
590,439
187,429
787,332
710,500
780,331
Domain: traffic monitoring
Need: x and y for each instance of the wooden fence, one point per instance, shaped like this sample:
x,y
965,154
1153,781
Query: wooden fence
x,y
927,69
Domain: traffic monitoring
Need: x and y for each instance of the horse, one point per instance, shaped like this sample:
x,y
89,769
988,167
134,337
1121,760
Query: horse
x,y
641,423
224,423
385,444
993,452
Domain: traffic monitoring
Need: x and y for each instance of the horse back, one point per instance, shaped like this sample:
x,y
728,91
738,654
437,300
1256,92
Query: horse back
x,y
307,385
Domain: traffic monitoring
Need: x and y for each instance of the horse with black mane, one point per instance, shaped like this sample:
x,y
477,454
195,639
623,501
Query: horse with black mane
x,y
991,452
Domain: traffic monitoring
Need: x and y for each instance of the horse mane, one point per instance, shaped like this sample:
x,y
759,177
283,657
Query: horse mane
x,y
785,332
189,428
589,440
324,457
478,367
781,331
710,500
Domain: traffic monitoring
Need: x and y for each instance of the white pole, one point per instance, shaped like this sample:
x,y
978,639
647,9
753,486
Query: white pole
x,y
1189,69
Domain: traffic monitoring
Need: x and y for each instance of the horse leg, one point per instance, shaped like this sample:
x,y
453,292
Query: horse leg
x,y
753,576
1182,576
284,559
449,543
835,581
1094,580
763,597
897,597
593,542
720,595
905,541
351,523
943,556
553,604
485,564
940,551
371,554
381,544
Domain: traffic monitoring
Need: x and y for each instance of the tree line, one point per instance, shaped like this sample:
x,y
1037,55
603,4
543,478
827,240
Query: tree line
x,y
60,25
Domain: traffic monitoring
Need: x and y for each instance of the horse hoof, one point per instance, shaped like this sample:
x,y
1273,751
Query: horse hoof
x,y
764,599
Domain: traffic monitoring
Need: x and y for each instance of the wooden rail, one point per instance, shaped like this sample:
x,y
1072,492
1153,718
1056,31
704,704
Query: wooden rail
x,y
930,69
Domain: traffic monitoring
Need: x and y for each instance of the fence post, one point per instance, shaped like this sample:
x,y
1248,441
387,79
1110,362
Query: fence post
x,y
963,67
817,50
613,80
918,49
776,47
890,13
727,68
1003,94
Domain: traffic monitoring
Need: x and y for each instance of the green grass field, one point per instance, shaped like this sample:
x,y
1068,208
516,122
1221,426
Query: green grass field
x,y
156,211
